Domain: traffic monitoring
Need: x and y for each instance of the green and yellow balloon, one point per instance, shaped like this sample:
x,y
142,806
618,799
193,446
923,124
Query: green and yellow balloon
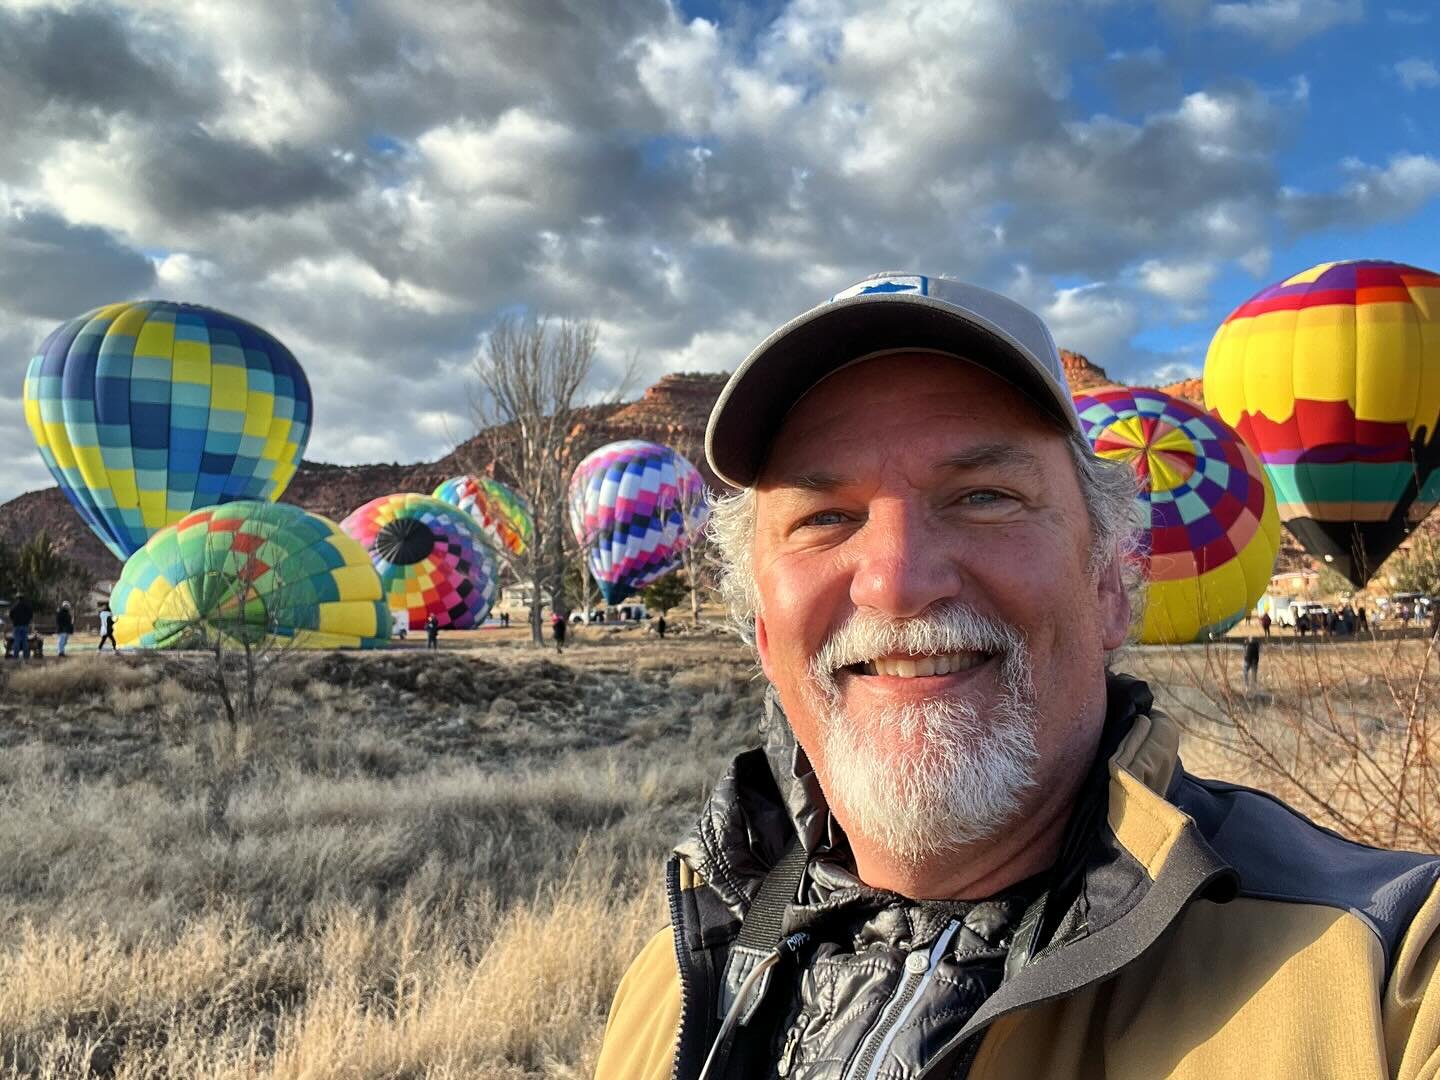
x,y
251,572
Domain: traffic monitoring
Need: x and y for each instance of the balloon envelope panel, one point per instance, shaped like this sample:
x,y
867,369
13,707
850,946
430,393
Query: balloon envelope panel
x,y
432,558
503,515
1333,377
250,571
634,507
1211,530
146,411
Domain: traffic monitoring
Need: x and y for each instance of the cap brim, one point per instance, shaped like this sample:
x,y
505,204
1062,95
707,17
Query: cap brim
x,y
805,350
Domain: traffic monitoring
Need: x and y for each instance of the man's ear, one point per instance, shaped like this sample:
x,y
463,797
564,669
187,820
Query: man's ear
x,y
762,644
1115,612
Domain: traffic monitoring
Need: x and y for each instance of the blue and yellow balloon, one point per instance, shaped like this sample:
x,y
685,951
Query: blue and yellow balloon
x,y
145,411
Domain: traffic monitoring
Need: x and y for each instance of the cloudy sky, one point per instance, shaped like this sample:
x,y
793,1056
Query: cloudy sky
x,y
375,181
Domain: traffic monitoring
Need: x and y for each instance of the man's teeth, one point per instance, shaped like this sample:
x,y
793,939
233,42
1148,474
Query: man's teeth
x,y
913,667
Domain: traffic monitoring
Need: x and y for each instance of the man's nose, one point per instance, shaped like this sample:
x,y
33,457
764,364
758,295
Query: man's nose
x,y
904,564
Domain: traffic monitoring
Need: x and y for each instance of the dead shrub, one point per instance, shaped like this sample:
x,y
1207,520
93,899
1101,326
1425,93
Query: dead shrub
x,y
1344,731
77,679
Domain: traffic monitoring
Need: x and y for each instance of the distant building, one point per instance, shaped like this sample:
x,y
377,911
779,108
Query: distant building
x,y
1294,582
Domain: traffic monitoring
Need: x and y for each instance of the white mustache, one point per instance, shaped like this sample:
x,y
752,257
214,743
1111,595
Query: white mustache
x,y
948,626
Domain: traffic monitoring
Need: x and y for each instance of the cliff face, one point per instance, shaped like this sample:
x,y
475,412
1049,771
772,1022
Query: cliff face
x,y
1192,390
1080,373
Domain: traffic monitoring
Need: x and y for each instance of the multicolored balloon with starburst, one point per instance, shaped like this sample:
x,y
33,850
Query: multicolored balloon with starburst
x,y
1209,528
432,558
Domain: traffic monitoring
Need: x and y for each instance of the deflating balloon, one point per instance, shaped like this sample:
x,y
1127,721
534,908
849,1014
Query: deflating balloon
x,y
432,559
635,507
250,571
1211,531
503,515
1333,377
146,411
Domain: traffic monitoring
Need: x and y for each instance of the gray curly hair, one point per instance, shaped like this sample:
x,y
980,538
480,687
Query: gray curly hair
x,y
1109,488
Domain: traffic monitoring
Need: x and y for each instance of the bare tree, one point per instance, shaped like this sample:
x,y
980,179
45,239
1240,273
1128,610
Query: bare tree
x,y
693,509
529,375
233,608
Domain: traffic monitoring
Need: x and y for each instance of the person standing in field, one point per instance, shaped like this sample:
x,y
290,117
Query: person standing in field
x,y
660,626
1252,663
557,631
968,849
22,614
64,627
107,628
1265,623
432,633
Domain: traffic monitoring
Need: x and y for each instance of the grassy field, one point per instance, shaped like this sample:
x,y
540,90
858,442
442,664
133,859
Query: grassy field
x,y
438,866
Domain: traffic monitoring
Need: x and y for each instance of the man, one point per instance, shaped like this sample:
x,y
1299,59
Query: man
x,y
64,627
1252,663
968,850
432,633
107,628
557,631
21,616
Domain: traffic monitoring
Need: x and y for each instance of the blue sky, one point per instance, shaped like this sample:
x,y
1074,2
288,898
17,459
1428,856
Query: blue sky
x,y
377,182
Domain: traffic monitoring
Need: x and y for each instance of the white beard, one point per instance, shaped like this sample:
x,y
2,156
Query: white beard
x,y
953,776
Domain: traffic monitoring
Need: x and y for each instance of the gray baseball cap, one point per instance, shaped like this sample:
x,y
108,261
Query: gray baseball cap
x,y
882,314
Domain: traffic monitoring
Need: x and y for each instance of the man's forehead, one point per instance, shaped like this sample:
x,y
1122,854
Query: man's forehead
x,y
1003,455
946,411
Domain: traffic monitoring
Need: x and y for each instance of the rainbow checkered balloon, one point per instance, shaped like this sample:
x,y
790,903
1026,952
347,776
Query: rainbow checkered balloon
x,y
1333,378
250,572
1211,530
635,506
432,558
148,410
502,514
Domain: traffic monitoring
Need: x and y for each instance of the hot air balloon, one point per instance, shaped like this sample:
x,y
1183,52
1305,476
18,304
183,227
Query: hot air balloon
x,y
432,558
1333,378
148,410
503,515
1211,529
634,507
250,572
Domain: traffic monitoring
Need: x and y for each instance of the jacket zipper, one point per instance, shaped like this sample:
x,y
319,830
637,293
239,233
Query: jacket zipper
x,y
919,970
677,930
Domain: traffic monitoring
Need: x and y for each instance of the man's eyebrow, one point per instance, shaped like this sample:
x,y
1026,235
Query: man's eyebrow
x,y
812,480
992,455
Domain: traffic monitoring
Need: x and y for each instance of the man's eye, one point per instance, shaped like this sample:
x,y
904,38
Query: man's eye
x,y
823,518
984,497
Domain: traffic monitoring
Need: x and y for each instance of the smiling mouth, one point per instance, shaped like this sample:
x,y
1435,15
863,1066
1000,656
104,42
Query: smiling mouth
x,y
918,667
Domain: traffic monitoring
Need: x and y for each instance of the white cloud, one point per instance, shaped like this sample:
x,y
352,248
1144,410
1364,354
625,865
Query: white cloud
x,y
1417,73
1407,16
376,182
1256,261
1181,282
1371,194
1282,23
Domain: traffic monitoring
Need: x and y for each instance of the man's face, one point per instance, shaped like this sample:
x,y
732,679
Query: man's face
x,y
927,611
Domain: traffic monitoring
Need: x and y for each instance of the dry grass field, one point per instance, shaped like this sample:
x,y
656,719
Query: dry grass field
x,y
438,866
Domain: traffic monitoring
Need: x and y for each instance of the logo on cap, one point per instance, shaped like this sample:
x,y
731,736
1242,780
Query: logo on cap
x,y
907,283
